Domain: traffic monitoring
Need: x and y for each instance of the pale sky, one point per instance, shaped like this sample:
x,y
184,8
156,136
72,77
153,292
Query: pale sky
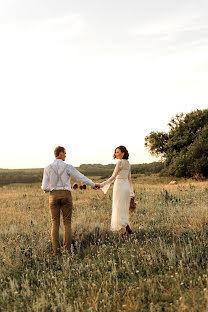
x,y
91,75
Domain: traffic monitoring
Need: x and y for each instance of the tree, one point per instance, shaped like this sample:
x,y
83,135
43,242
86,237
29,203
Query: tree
x,y
184,148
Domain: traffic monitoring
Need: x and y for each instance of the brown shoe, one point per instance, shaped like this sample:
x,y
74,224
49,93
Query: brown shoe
x,y
128,230
66,253
57,254
123,234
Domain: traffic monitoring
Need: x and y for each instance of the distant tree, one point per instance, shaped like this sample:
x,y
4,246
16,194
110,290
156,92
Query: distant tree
x,y
184,148
150,168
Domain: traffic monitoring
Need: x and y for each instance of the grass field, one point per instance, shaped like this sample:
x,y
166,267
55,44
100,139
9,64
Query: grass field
x,y
161,267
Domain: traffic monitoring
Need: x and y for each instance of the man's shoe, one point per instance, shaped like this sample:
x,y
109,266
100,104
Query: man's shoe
x,y
57,254
66,253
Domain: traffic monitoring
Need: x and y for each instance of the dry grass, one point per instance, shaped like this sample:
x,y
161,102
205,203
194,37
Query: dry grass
x,y
161,267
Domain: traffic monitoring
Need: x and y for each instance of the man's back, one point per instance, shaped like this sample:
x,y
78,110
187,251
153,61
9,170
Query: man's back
x,y
58,175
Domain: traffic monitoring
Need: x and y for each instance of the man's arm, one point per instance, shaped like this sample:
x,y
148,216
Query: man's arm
x,y
79,177
45,186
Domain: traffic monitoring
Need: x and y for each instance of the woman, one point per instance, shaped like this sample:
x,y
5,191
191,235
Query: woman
x,y
122,191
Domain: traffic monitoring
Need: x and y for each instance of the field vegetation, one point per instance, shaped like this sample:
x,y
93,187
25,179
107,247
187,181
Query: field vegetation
x,y
161,267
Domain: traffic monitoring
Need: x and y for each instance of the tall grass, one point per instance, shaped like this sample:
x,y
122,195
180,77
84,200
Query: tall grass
x,y
161,267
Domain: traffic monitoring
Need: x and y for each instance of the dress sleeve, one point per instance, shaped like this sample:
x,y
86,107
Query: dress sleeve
x,y
106,184
131,185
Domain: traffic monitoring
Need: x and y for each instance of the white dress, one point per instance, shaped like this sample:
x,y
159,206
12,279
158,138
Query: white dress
x,y
122,191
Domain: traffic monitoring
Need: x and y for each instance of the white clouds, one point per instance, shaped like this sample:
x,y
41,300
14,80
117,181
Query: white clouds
x,y
64,27
178,28
41,31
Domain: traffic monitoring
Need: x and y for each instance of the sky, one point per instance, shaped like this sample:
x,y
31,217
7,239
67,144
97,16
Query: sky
x,y
92,75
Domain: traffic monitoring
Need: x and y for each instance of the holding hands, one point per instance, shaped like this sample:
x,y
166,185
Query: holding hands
x,y
96,187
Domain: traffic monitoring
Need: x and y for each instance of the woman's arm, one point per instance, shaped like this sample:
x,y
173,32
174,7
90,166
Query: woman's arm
x,y
106,184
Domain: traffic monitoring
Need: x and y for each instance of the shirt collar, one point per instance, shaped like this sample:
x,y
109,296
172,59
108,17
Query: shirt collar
x,y
58,160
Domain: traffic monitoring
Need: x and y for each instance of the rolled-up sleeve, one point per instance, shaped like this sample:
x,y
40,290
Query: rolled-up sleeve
x,y
45,181
78,176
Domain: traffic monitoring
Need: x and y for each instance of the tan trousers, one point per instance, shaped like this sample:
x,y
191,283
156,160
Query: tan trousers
x,y
60,201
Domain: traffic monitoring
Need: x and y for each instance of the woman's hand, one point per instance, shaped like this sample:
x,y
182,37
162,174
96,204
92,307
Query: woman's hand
x,y
96,187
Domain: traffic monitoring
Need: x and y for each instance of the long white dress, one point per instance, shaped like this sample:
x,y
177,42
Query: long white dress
x,y
122,191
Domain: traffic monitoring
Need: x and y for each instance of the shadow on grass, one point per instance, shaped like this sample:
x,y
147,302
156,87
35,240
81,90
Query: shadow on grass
x,y
98,237
87,242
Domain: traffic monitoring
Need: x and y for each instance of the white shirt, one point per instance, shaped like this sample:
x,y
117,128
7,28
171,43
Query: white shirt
x,y
58,175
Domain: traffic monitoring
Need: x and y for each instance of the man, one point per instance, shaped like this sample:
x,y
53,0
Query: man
x,y
57,180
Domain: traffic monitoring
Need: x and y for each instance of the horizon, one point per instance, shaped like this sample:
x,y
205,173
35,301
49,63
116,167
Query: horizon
x,y
132,164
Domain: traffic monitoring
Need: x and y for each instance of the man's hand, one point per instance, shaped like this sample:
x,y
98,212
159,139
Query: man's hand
x,y
96,187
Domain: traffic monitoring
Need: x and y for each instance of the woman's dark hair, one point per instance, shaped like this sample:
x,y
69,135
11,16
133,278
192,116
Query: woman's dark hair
x,y
124,150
